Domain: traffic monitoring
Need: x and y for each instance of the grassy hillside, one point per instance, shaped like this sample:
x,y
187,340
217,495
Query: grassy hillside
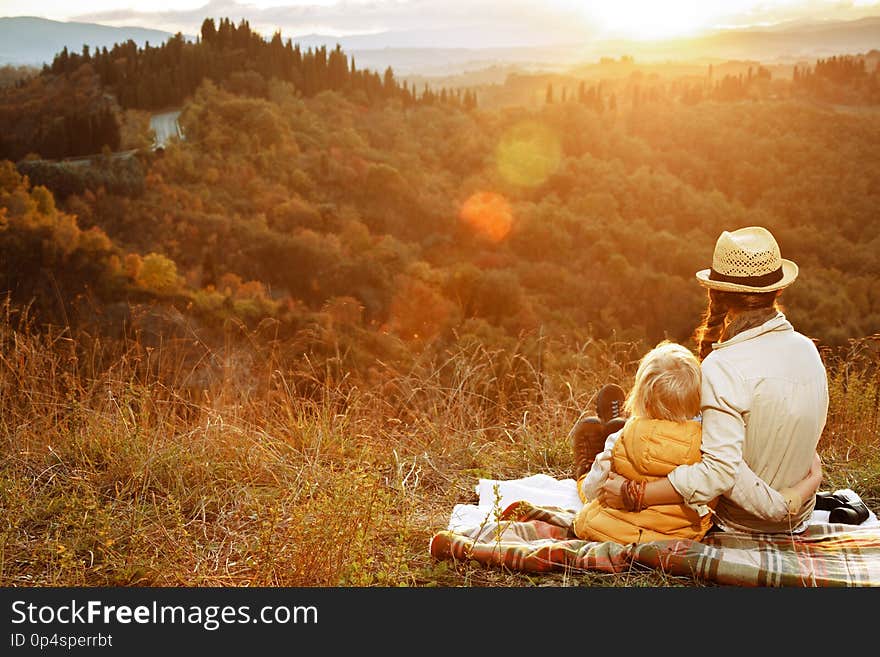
x,y
119,470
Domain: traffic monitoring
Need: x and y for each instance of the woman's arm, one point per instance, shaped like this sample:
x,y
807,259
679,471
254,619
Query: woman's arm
x,y
752,493
777,506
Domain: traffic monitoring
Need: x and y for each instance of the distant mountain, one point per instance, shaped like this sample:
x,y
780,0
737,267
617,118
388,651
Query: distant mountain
x,y
433,52
439,52
35,41
799,39
442,51
453,61
476,37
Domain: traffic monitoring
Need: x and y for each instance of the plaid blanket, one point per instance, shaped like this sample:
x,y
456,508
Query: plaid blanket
x,y
539,539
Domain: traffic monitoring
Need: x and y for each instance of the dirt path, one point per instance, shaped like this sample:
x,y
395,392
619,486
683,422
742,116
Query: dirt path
x,y
165,126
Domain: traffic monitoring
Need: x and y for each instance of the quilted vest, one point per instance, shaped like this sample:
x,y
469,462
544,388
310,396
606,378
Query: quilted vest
x,y
647,450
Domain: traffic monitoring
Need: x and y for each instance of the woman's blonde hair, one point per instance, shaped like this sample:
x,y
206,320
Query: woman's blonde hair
x,y
667,385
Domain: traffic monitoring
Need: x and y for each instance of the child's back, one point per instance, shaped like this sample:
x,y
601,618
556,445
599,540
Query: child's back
x,y
660,435
646,450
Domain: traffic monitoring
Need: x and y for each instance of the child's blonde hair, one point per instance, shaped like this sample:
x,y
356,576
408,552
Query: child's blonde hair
x,y
667,385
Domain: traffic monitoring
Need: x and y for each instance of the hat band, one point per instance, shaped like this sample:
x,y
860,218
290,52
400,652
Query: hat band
x,y
752,281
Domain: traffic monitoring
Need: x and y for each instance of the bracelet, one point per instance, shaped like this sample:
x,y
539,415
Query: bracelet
x,y
625,498
639,494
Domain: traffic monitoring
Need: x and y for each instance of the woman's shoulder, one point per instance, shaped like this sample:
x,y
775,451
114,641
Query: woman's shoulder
x,y
784,355
808,342
721,364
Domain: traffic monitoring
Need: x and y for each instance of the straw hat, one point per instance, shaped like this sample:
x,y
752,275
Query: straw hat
x,y
748,260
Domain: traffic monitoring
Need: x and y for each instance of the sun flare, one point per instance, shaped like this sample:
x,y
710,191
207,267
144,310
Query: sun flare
x,y
650,20
528,154
488,214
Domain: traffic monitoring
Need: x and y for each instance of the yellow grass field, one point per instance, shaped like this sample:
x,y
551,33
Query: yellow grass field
x,y
116,471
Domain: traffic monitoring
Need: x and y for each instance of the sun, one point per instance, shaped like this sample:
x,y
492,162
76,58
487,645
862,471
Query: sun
x,y
653,19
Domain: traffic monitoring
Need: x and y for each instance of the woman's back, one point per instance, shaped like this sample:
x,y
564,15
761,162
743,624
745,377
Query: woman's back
x,y
774,377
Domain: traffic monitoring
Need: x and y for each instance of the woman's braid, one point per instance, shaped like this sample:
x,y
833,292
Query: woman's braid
x,y
712,326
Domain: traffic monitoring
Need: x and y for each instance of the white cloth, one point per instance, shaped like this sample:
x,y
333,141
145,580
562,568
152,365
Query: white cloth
x,y
539,489
543,490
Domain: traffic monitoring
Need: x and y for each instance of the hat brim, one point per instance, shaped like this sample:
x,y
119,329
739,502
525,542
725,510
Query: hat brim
x,y
789,274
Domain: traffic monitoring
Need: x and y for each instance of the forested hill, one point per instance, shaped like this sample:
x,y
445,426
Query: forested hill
x,y
75,106
372,226
156,77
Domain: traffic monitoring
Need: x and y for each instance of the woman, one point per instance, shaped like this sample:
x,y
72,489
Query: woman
x,y
764,399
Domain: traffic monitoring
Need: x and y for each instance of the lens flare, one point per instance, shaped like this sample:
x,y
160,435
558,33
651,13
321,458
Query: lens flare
x,y
528,154
488,214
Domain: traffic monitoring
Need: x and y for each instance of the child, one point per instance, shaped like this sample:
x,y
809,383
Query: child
x,y
661,433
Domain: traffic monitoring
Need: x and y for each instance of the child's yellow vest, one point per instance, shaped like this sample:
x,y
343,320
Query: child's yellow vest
x,y
648,450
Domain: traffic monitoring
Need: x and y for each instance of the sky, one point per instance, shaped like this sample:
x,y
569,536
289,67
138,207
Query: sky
x,y
496,22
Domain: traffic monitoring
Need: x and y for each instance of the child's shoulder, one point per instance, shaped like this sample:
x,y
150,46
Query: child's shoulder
x,y
641,422
640,426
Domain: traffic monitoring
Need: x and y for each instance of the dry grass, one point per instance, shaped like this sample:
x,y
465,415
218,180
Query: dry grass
x,y
129,465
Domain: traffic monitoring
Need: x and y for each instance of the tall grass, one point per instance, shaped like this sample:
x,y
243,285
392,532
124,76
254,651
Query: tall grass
x,y
850,446
176,464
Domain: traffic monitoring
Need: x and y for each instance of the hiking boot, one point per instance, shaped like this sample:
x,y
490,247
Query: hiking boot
x,y
614,425
609,402
587,441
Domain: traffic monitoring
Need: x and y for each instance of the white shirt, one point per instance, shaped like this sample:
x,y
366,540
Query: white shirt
x,y
764,407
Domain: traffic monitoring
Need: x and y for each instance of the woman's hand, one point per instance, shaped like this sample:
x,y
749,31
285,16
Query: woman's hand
x,y
809,486
611,493
805,490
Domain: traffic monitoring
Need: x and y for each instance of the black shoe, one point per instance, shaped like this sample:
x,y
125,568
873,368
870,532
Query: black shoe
x,y
609,402
825,501
849,515
845,506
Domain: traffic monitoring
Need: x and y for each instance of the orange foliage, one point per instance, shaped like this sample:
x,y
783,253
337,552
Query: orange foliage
x,y
418,311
